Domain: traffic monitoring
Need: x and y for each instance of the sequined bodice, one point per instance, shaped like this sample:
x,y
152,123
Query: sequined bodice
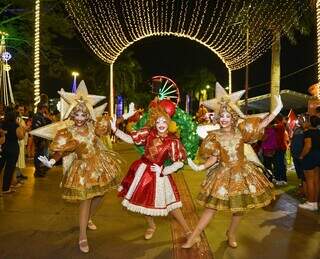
x,y
231,147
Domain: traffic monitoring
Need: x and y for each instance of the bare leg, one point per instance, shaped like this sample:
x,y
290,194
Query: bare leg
x,y
177,214
317,184
83,222
203,222
231,233
310,179
95,204
151,228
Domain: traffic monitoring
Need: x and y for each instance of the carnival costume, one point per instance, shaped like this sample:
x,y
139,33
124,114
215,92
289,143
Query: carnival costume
x,y
234,183
90,169
143,190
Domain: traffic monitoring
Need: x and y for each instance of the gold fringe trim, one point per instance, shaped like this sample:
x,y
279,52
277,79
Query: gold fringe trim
x,y
71,194
237,203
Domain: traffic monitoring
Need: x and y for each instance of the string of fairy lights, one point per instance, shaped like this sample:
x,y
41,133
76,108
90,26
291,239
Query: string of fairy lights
x,y
111,26
318,44
37,54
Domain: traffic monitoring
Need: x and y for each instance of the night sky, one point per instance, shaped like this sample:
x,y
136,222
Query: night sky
x,y
171,56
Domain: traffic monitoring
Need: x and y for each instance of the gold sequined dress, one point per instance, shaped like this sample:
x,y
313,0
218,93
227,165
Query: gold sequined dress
x,y
234,183
91,169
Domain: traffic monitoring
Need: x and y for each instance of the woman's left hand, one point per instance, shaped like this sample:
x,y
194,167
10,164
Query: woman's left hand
x,y
156,169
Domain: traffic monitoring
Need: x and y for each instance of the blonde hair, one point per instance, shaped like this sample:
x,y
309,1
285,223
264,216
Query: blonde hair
x,y
80,107
226,108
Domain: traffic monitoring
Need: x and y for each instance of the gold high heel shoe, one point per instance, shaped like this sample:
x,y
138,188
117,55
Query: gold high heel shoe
x,y
83,246
232,244
196,240
149,233
91,225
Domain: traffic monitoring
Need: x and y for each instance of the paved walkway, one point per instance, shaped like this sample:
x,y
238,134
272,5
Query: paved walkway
x,y
36,223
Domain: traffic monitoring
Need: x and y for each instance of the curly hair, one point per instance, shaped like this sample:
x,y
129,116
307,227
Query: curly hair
x,y
234,115
155,113
80,107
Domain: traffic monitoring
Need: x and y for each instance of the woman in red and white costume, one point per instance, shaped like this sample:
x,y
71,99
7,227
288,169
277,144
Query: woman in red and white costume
x,y
148,188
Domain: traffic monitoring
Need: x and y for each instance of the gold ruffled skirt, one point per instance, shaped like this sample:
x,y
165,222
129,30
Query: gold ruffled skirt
x,y
91,177
236,187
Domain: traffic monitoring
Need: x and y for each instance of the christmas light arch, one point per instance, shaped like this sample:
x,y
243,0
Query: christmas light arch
x,y
111,26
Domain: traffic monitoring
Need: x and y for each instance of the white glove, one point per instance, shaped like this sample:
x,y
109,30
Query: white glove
x,y
156,169
44,160
123,136
113,124
195,167
279,105
130,112
172,168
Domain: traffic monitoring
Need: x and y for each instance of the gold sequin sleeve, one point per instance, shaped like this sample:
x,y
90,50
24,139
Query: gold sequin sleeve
x,y
209,147
249,129
63,142
102,126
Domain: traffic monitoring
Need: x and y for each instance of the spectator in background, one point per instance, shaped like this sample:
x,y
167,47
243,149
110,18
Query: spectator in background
x,y
280,169
310,157
269,147
40,119
297,142
10,148
21,164
30,144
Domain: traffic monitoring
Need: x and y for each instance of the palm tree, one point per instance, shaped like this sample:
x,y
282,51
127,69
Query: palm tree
x,y
301,23
127,76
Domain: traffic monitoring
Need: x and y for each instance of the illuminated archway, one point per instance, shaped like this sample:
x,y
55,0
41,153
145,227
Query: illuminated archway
x,y
111,26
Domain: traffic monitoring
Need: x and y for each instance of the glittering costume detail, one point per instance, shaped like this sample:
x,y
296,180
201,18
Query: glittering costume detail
x,y
234,184
91,169
147,192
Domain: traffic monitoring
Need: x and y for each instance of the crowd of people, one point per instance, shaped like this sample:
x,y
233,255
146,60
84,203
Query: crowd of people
x,y
17,145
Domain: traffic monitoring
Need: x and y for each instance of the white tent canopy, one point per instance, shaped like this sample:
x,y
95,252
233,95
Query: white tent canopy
x,y
291,100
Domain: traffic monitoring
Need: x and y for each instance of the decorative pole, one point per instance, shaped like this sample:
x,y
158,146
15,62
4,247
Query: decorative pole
x,y
74,84
318,45
5,82
37,55
111,97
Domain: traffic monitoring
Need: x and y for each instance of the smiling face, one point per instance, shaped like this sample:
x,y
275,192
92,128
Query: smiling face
x,y
80,118
161,125
225,119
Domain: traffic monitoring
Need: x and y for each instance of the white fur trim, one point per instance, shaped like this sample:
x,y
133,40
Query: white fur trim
x,y
160,198
164,192
151,211
170,197
142,167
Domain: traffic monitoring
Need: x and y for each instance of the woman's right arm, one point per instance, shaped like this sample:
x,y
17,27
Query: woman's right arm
x,y
306,148
210,162
120,134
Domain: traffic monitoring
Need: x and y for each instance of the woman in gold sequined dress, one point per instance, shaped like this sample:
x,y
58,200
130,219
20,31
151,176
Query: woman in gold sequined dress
x,y
90,168
233,182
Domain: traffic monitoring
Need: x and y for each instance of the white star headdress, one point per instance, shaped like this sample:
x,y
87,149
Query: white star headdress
x,y
67,102
71,100
222,97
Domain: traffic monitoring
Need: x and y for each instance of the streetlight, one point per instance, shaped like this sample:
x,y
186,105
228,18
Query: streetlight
x,y
208,86
74,85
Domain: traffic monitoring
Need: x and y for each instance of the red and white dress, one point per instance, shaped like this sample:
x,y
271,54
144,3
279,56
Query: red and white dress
x,y
145,191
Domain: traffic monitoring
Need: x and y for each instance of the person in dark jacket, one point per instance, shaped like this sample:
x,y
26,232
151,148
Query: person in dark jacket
x,y
10,149
297,142
40,119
